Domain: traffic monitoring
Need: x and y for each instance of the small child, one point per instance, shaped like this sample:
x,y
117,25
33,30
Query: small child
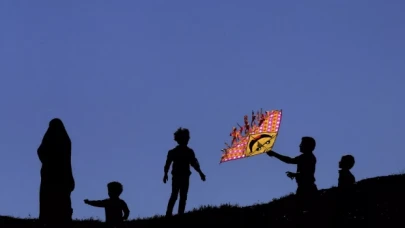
x,y
346,182
182,157
114,206
346,178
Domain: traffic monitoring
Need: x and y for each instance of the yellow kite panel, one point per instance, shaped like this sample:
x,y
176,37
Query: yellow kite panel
x,y
254,138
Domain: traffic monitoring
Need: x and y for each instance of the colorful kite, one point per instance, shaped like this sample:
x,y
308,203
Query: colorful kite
x,y
254,138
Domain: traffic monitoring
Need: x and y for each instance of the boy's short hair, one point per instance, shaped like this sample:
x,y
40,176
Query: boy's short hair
x,y
115,188
309,142
182,135
348,161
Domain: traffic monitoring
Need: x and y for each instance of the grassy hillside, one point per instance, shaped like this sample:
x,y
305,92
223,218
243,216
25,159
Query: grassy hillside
x,y
378,202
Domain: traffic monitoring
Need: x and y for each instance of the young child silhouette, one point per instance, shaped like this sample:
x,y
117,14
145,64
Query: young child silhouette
x,y
182,157
305,175
346,197
346,178
114,206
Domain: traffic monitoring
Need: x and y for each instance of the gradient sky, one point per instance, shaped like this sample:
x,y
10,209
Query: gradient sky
x,y
124,75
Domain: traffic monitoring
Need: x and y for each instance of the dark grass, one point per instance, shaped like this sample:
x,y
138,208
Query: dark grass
x,y
378,202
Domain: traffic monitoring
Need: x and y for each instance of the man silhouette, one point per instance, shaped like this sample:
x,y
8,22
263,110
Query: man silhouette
x,y
305,175
182,157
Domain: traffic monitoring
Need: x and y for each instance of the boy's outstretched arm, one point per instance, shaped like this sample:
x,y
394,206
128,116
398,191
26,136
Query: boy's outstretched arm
x,y
95,203
282,158
126,211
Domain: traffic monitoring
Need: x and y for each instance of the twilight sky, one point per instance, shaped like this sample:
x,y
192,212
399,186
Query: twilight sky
x,y
124,75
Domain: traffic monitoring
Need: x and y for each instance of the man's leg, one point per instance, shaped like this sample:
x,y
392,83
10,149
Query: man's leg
x,y
183,194
312,197
173,196
302,205
306,196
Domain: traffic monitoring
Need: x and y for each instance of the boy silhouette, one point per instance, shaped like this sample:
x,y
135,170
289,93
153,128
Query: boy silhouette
x,y
114,206
346,196
182,157
305,175
346,178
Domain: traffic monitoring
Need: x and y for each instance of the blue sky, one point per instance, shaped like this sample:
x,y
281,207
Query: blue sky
x,y
124,75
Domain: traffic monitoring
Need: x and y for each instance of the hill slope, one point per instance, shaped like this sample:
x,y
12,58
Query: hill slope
x,y
378,202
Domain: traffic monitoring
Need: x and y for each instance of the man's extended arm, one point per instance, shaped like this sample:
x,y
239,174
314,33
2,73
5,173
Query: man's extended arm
x,y
282,158
169,161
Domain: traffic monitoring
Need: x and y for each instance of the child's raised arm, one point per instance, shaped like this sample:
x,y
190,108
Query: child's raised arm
x,y
95,203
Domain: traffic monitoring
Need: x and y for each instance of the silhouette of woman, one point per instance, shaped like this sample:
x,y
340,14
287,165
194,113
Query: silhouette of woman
x,y
57,182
